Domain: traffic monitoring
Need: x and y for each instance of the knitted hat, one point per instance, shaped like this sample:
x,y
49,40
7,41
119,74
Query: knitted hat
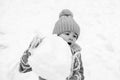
x,y
66,23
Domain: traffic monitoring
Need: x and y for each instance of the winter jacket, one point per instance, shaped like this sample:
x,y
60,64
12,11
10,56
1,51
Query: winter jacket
x,y
76,68
24,66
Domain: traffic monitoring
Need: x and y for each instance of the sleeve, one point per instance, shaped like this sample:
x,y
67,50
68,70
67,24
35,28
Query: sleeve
x,y
24,66
77,71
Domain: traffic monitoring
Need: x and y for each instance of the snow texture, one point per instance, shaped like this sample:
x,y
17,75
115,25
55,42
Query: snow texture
x,y
52,59
99,38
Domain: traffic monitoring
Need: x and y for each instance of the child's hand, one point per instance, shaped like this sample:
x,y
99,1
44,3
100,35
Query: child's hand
x,y
36,41
75,47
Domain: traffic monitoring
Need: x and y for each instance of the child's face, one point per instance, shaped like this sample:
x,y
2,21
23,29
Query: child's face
x,y
69,37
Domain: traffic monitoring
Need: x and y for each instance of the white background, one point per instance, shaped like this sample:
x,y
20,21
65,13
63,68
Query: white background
x,y
99,21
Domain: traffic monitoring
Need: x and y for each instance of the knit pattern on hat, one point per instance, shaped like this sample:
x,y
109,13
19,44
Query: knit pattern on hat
x,y
66,23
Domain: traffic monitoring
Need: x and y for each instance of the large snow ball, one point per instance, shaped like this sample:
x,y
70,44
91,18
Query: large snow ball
x,y
52,59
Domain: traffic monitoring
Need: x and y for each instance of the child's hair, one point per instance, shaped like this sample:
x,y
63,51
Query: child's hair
x,y
66,23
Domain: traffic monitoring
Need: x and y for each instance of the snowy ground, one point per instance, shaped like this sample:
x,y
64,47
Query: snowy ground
x,y
99,20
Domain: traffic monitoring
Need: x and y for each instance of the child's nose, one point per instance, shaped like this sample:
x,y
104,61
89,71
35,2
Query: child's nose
x,y
70,39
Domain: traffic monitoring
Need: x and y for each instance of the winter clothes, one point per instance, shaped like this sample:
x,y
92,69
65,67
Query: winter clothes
x,y
24,66
76,68
66,23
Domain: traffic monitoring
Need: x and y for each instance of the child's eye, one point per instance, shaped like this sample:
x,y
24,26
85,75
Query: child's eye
x,y
74,36
67,33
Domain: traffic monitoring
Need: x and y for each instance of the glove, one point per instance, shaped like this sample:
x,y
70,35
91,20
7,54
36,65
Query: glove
x,y
36,41
75,48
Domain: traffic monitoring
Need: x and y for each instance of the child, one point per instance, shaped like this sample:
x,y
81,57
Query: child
x,y
69,30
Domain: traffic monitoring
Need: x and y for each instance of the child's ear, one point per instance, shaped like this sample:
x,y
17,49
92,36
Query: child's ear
x,y
77,37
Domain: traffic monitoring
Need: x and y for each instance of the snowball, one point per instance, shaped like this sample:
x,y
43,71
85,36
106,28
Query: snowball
x,y
52,59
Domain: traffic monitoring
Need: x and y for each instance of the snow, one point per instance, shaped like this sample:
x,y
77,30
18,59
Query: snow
x,y
52,57
99,20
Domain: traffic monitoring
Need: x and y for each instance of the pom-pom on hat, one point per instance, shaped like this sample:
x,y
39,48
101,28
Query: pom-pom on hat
x,y
66,23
